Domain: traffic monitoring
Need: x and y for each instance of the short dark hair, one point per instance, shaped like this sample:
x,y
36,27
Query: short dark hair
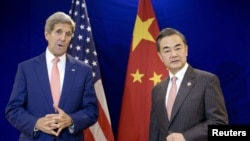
x,y
168,32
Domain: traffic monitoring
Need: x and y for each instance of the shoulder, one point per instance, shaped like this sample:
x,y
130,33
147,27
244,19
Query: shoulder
x,y
77,62
161,84
204,75
37,59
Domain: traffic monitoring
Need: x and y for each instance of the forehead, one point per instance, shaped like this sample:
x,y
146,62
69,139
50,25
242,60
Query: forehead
x,y
171,41
63,26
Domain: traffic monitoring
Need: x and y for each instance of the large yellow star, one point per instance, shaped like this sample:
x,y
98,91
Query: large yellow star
x,y
141,31
156,78
137,76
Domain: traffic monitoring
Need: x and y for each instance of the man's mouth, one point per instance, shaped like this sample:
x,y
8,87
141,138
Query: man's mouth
x,y
60,45
174,61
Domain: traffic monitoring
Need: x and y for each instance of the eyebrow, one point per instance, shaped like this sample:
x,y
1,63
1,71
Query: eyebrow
x,y
173,47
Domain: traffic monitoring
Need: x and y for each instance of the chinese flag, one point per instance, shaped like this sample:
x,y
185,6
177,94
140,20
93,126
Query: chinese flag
x,y
144,71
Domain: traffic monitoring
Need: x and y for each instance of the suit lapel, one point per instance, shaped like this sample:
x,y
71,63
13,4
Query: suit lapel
x,y
187,83
43,79
69,76
162,91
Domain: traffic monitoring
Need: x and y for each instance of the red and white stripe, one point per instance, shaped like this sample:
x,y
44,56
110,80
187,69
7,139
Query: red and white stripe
x,y
101,130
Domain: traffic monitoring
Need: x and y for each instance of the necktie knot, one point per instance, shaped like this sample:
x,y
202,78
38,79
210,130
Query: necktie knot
x,y
173,79
56,60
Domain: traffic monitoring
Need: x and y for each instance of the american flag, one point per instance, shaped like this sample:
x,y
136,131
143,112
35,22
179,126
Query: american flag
x,y
82,47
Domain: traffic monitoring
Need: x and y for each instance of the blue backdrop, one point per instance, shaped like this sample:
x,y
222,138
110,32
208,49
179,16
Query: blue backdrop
x,y
217,31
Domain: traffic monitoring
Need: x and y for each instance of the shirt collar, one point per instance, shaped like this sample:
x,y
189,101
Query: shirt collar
x,y
180,73
50,56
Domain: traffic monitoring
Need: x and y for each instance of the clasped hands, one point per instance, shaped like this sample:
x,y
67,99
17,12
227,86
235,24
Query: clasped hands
x,y
53,124
175,137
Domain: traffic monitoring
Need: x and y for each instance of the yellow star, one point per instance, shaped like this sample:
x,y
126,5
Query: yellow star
x,y
156,78
137,76
141,31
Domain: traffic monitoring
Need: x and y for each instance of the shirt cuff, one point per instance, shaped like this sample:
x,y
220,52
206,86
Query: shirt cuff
x,y
71,128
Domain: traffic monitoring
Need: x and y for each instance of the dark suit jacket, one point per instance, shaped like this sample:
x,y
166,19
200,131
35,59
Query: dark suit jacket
x,y
31,99
199,103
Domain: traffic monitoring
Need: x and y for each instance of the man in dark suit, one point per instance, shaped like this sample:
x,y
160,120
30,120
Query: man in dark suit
x,y
31,108
199,101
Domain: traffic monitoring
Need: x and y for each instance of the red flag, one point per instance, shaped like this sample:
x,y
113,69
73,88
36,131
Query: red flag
x,y
82,47
144,71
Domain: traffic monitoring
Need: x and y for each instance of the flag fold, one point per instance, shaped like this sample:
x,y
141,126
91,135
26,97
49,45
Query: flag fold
x,y
82,47
144,70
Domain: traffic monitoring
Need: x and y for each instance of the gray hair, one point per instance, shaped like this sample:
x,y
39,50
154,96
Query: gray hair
x,y
58,17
